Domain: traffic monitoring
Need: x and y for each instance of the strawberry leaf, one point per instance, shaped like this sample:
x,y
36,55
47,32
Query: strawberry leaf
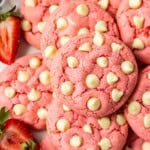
x,y
32,145
4,115
24,146
28,146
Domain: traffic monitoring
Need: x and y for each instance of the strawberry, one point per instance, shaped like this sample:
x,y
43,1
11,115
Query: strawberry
x,y
14,134
10,26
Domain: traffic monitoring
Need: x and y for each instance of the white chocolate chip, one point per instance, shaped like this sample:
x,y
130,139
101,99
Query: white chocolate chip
x,y
54,95
72,62
26,25
138,44
85,47
41,26
19,109
135,3
127,67
23,76
92,81
66,108
45,77
116,95
42,113
148,76
52,8
102,62
103,4
93,104
76,141
83,31
138,21
61,23
134,108
146,145
87,128
101,26
98,39
105,144
9,92
67,88
30,3
146,98
104,122
111,78
82,10
116,47
34,95
50,51
120,119
64,40
63,125
34,62
147,121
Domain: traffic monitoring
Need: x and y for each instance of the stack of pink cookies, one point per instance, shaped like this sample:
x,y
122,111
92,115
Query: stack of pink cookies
x,y
89,85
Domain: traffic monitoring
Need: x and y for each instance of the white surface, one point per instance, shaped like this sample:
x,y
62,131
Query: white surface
x,y
2,2
24,49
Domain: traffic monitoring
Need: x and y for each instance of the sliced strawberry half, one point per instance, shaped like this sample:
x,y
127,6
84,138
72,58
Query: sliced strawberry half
x,y
14,134
10,27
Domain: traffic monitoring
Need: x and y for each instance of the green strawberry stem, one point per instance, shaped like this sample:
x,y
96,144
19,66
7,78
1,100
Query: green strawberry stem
x,y
4,115
28,146
9,13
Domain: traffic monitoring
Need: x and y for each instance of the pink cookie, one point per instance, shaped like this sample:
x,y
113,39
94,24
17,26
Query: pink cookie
x,y
75,18
25,90
138,108
136,143
96,76
134,24
70,131
35,14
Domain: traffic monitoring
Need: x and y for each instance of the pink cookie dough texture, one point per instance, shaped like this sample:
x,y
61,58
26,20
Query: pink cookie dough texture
x,y
25,90
69,130
136,143
133,20
137,110
96,76
75,18
46,143
35,14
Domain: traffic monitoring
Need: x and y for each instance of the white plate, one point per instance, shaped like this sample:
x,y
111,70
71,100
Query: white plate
x,y
24,49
